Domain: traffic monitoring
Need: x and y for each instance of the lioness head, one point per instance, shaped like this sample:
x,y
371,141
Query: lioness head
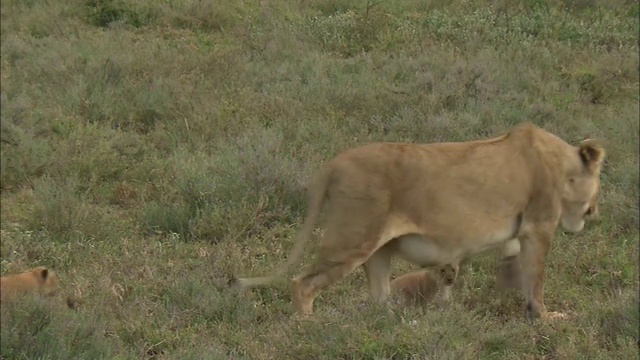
x,y
448,274
580,195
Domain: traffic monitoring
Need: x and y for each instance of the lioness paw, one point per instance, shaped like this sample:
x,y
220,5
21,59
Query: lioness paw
x,y
553,315
303,317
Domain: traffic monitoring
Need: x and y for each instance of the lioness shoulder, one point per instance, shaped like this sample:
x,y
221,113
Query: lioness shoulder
x,y
39,280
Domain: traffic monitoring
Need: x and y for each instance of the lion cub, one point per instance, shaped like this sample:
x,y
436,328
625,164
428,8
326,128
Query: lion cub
x,y
420,287
39,280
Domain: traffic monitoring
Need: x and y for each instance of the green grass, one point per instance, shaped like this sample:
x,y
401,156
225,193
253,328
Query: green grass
x,y
152,149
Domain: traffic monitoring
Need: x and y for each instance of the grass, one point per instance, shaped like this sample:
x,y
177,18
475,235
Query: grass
x,y
152,149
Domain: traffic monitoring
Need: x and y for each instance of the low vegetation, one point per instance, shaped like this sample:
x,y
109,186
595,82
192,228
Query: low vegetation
x,y
150,149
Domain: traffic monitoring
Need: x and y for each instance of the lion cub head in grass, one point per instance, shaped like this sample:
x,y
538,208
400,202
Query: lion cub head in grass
x,y
420,287
39,280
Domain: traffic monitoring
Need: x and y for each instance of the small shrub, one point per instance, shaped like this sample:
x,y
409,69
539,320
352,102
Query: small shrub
x,y
210,16
41,321
102,13
620,321
124,194
579,5
216,199
329,7
64,212
24,162
57,208
165,218
25,154
352,32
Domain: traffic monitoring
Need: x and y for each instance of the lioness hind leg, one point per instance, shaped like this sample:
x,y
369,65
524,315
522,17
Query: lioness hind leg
x,y
348,242
306,287
378,271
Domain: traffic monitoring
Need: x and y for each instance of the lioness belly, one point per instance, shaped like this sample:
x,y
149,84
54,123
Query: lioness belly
x,y
421,250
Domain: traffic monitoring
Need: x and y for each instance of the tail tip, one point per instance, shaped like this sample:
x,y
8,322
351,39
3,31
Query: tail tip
x,y
234,282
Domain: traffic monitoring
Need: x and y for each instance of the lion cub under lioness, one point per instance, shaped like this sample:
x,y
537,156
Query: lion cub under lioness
x,y
39,280
420,287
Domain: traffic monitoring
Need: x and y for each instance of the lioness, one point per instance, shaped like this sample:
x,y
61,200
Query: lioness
x,y
420,287
439,203
39,280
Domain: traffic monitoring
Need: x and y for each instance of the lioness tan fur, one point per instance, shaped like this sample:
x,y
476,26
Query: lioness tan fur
x,y
420,287
441,203
39,280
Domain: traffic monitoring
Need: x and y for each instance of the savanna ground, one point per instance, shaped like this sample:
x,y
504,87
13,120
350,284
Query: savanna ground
x,y
151,149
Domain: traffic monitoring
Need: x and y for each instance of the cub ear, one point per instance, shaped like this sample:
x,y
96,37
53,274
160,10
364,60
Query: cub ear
x,y
44,273
591,153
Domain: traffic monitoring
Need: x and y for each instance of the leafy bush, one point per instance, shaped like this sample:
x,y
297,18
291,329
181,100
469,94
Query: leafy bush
x,y
104,12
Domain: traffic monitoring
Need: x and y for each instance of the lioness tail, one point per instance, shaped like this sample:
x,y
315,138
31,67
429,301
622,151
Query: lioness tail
x,y
317,195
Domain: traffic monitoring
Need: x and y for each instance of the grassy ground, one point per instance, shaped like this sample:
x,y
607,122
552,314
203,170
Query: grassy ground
x,y
152,149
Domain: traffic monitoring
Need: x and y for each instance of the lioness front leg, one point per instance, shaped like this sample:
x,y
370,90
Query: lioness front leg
x,y
535,247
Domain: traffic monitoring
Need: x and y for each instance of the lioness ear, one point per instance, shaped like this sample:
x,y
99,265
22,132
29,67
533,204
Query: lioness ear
x,y
591,153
